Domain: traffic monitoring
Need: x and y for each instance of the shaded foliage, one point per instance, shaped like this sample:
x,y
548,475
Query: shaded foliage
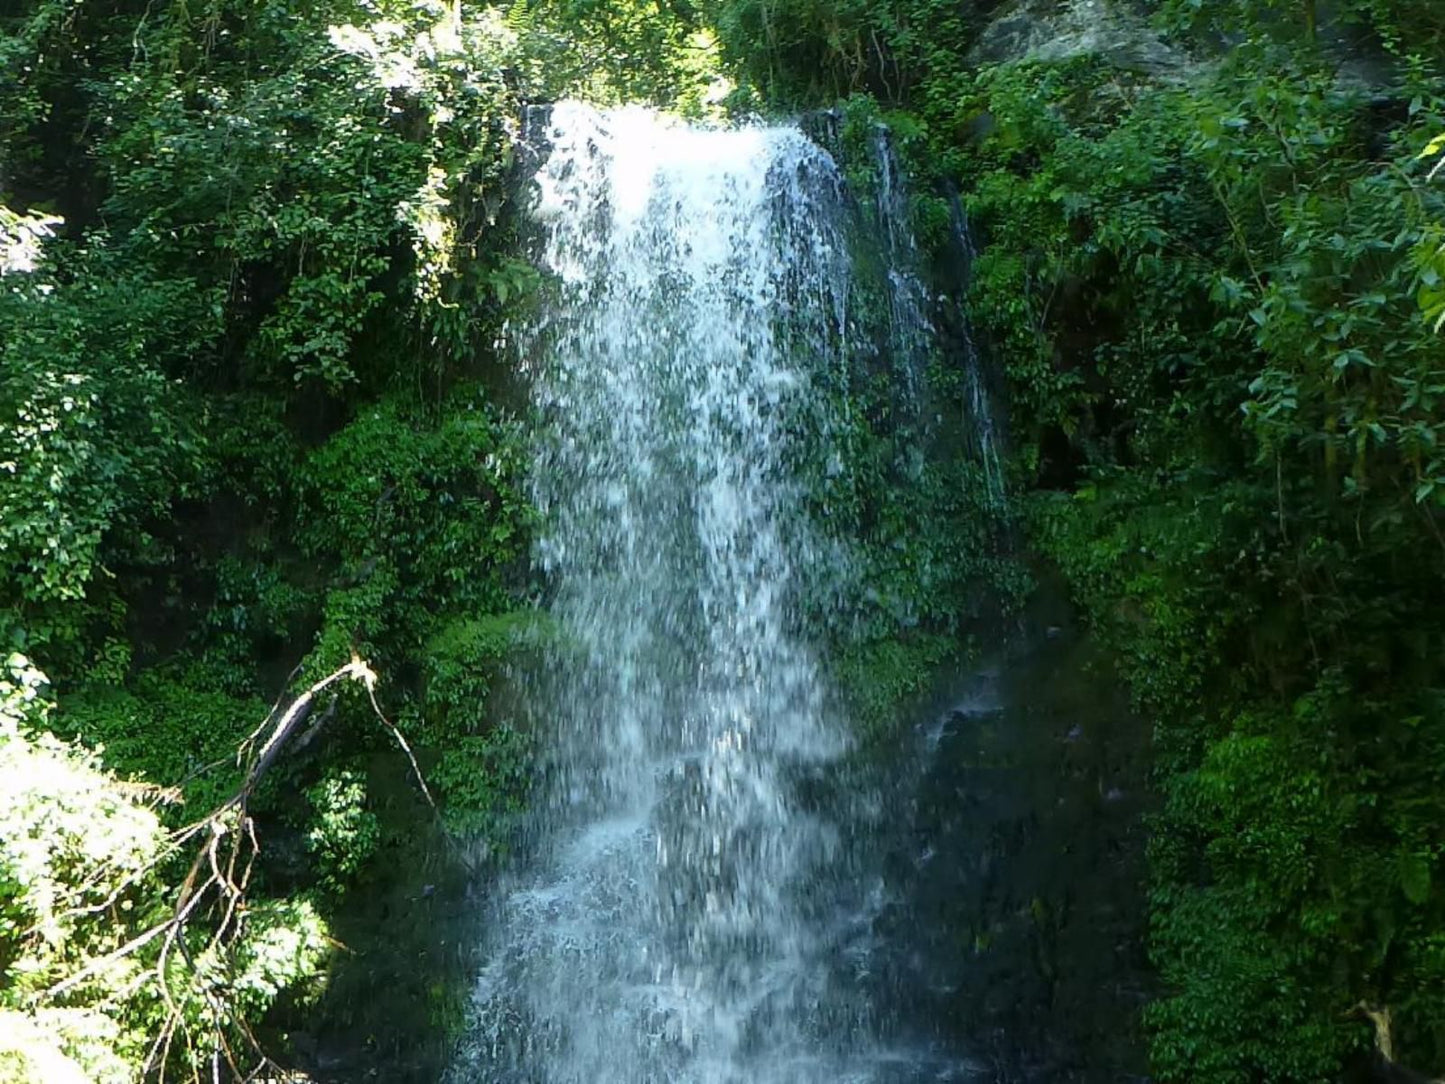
x,y
1206,300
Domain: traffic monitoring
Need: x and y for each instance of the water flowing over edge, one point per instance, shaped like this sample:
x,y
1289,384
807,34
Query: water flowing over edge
x,y
671,921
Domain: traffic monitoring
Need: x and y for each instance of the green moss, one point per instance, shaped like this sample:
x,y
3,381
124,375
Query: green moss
x,y
484,781
879,680
463,656
483,769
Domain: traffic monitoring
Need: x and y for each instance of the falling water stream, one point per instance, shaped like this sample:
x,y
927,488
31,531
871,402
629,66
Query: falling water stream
x,y
691,903
660,932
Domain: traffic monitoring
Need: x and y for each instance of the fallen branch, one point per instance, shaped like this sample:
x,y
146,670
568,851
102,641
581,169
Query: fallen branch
x,y
216,883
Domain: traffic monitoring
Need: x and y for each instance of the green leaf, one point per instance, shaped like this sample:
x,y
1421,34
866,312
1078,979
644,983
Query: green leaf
x,y
1414,876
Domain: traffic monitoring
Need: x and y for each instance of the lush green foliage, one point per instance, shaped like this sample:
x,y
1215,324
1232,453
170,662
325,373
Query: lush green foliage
x,y
617,51
1215,299
343,833
1206,298
254,418
83,873
483,771
1207,301
807,52
254,394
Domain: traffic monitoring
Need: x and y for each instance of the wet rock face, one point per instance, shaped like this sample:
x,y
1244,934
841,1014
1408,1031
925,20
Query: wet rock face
x,y
1019,874
1041,30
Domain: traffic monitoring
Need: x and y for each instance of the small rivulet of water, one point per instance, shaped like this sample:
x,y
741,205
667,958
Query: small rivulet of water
x,y
912,336
676,914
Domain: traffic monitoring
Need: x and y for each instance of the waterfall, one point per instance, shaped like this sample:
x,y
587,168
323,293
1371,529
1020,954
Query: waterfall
x,y
910,331
660,932
982,419
912,336
673,915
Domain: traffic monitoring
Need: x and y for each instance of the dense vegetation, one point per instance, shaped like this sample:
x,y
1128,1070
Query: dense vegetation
x,y
262,427
257,262
1212,278
257,259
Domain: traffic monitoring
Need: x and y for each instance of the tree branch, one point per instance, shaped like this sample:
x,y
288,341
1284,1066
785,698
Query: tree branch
x,y
218,882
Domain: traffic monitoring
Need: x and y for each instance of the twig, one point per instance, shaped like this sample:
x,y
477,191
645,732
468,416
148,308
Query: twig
x,y
401,741
220,881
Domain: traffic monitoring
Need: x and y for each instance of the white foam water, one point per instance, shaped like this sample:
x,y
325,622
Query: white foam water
x,y
661,928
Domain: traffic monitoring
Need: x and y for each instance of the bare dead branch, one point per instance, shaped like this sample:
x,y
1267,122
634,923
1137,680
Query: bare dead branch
x,y
400,740
216,883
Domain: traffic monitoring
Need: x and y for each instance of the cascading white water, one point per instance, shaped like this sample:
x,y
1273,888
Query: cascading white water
x,y
981,412
662,930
